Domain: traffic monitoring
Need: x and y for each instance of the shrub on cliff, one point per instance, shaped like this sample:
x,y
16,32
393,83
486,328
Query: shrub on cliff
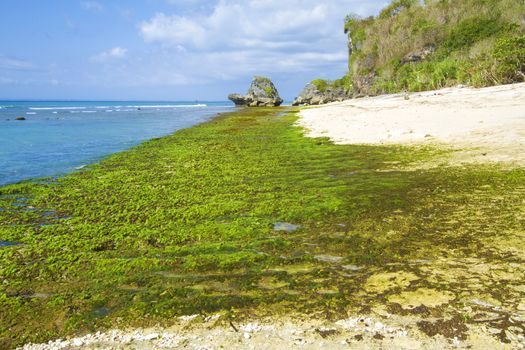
x,y
438,43
509,54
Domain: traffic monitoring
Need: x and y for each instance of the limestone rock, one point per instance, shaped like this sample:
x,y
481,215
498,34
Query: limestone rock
x,y
311,95
418,55
363,85
238,99
262,93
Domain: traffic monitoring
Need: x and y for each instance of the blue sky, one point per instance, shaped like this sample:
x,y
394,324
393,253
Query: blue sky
x,y
169,49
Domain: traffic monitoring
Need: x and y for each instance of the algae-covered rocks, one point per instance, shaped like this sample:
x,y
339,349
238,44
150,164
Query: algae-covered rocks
x,y
262,93
317,94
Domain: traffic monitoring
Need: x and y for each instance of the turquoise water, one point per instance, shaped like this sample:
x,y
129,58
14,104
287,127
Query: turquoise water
x,y
58,137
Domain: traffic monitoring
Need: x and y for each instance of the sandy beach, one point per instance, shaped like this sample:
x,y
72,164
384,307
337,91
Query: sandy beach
x,y
213,332
486,124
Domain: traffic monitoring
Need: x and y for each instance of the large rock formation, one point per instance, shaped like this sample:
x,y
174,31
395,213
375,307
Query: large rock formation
x,y
262,93
313,95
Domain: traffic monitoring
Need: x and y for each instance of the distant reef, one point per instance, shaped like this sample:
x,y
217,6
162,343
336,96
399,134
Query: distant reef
x,y
262,93
417,46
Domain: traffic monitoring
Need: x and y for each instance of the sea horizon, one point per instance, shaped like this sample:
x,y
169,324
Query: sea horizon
x,y
110,100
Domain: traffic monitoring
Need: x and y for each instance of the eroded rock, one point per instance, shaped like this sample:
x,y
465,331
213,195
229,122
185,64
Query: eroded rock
x,y
418,55
312,95
262,93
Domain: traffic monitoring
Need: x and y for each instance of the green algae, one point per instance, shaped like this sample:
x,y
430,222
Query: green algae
x,y
186,225
382,282
421,297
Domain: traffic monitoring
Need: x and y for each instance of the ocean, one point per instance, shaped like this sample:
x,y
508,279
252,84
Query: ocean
x,y
60,137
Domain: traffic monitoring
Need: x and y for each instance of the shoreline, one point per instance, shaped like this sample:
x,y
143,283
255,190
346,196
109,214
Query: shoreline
x,y
362,332
49,144
244,214
482,125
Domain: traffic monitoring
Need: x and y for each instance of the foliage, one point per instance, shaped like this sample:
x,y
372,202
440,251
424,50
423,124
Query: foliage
x,y
472,30
466,36
395,7
323,85
509,54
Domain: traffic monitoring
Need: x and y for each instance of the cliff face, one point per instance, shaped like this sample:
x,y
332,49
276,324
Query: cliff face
x,y
411,46
414,46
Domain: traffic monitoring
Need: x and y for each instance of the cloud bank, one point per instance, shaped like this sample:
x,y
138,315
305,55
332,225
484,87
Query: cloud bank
x,y
236,38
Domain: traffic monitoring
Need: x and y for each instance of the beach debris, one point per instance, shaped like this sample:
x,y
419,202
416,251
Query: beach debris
x,y
284,226
370,326
262,93
352,267
327,332
233,326
328,258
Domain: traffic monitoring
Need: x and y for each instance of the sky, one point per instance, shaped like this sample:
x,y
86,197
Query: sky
x,y
169,50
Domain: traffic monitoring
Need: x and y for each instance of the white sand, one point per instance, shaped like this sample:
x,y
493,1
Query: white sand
x,y
358,333
491,120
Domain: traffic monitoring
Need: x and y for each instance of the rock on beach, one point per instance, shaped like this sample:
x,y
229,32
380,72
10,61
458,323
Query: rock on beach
x,y
262,93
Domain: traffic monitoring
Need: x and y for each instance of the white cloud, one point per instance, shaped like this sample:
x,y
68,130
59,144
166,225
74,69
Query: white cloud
x,y
92,6
243,37
235,22
116,53
173,29
10,63
210,44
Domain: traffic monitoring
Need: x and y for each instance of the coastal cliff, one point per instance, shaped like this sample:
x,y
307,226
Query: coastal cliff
x,y
413,46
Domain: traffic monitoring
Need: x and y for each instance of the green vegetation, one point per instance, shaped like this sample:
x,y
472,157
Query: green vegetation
x,y
185,224
464,42
324,85
321,84
267,86
509,55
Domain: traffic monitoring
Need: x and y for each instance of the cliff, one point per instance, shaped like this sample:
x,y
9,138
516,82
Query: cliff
x,y
418,46
413,46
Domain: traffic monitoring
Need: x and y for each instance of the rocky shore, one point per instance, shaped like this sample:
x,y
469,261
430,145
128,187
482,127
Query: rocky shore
x,y
316,95
371,332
